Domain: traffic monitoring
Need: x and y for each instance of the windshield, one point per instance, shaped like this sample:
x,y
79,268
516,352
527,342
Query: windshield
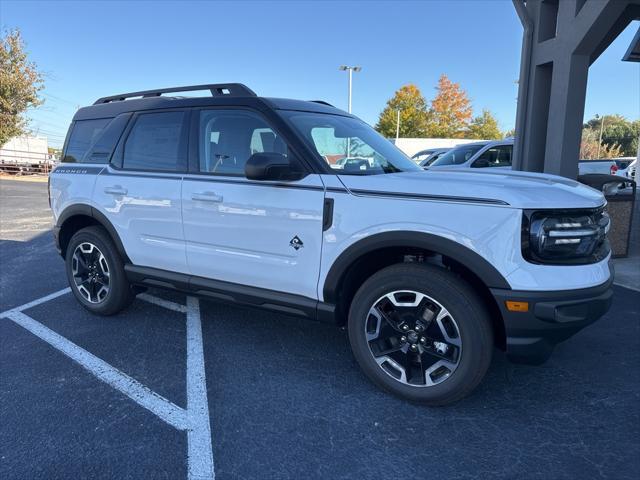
x,y
458,155
350,146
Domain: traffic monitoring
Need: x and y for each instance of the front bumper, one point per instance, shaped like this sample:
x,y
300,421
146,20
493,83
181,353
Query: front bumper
x,y
552,317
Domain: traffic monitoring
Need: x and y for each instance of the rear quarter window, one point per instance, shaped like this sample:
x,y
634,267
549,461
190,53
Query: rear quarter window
x,y
84,134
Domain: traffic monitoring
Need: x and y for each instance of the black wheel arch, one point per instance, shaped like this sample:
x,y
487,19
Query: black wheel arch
x,y
410,240
75,217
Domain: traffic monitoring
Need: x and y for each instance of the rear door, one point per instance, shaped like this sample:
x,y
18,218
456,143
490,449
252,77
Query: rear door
x,y
140,191
262,234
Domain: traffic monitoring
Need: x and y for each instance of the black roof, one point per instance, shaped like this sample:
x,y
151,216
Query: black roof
x,y
222,95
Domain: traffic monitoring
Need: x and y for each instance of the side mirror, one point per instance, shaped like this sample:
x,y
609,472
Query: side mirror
x,y
270,166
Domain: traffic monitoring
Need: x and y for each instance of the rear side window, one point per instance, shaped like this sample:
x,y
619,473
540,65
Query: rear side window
x,y
156,142
84,134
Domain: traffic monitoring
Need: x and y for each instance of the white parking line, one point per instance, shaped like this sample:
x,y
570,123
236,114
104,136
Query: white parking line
x,y
44,299
200,455
194,420
176,307
143,396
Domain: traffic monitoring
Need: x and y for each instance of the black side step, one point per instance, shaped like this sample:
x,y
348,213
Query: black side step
x,y
287,303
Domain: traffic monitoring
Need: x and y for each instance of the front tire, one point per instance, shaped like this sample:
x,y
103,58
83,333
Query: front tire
x,y
421,332
95,271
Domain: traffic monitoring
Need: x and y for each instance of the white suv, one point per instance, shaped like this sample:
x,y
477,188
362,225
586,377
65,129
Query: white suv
x,y
233,197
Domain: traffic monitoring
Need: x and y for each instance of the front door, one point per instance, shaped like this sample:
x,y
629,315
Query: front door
x,y
261,234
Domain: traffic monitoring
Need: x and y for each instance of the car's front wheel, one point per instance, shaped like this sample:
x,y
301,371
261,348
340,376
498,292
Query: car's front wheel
x,y
421,332
96,272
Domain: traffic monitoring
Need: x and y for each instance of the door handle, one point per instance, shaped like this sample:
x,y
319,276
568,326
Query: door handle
x,y
207,197
115,190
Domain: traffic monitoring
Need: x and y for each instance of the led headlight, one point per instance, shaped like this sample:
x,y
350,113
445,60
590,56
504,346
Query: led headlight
x,y
571,236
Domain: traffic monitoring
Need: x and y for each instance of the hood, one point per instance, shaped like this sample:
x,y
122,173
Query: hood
x,y
523,190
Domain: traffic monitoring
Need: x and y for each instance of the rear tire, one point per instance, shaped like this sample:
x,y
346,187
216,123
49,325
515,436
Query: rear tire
x,y
421,332
95,271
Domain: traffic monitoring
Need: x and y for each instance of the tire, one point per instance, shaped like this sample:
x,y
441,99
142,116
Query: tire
x,y
460,343
95,243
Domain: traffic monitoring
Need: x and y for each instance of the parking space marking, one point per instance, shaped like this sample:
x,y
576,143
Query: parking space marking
x,y
200,453
176,307
34,303
194,419
143,396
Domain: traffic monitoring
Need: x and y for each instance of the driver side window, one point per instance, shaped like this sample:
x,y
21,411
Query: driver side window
x,y
229,137
499,156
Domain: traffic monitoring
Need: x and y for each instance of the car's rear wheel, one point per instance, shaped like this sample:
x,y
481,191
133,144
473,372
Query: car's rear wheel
x,y
95,272
421,332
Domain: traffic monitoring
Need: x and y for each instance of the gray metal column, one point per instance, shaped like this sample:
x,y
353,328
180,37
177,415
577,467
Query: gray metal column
x,y
562,38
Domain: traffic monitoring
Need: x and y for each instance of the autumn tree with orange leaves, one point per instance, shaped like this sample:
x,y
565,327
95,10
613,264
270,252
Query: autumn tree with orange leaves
x,y
450,112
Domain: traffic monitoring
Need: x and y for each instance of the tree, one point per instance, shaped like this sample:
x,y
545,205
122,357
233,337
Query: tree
x,y
20,82
484,127
450,111
413,114
589,146
617,130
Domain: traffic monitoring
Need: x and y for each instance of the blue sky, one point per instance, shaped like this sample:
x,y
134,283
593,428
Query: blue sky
x,y
292,49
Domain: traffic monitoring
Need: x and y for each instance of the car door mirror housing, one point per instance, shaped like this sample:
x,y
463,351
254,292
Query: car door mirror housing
x,y
271,166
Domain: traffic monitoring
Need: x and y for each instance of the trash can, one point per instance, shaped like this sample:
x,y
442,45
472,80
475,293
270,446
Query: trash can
x,y
620,193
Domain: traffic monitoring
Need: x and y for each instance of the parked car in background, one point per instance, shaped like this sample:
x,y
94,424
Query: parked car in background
x,y
624,164
425,158
495,154
605,166
632,169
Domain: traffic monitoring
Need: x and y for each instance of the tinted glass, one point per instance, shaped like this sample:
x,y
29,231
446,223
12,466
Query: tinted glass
x,y
499,156
84,134
102,148
350,146
458,155
155,142
229,137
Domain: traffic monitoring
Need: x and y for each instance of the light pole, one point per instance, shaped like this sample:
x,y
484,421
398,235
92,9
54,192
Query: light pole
x,y
600,139
398,126
350,70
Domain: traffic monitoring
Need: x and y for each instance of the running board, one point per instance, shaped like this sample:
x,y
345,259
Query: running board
x,y
234,293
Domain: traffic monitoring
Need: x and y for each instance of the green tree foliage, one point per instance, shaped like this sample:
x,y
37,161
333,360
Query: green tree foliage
x,y
589,149
413,114
484,127
20,83
450,112
617,131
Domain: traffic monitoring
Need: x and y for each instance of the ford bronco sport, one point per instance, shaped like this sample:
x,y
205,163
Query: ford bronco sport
x,y
301,208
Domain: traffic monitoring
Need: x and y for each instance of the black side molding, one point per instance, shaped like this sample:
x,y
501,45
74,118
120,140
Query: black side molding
x,y
287,303
327,214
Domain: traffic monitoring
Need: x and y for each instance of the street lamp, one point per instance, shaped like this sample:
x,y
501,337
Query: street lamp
x,y
350,70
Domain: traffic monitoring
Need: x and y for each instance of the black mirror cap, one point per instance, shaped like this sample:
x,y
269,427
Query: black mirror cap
x,y
271,166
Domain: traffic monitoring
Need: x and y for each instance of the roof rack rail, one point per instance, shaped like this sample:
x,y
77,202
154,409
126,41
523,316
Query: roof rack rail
x,y
216,89
322,102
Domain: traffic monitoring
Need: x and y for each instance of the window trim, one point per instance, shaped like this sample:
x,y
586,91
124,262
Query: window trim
x,y
117,158
194,142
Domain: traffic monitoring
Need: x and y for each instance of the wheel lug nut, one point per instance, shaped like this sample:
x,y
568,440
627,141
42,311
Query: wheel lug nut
x,y
405,327
403,339
414,347
423,340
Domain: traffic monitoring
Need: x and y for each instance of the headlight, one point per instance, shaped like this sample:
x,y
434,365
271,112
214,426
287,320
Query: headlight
x,y
565,237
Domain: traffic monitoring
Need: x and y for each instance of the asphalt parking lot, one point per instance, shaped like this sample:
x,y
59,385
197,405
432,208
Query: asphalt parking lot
x,y
175,388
